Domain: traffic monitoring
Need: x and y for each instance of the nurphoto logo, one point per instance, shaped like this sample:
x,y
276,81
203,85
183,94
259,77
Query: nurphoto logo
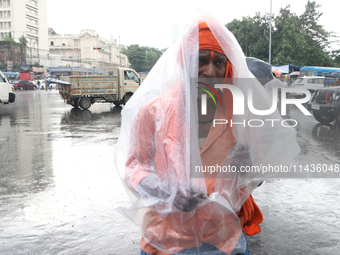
x,y
239,103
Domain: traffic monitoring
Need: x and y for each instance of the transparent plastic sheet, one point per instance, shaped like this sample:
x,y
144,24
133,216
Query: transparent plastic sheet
x,y
273,86
158,146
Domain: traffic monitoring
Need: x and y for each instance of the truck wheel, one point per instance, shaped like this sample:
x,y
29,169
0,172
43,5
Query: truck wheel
x,y
85,103
75,103
323,119
126,98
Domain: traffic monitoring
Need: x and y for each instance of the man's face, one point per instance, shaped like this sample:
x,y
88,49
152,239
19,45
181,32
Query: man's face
x,y
211,66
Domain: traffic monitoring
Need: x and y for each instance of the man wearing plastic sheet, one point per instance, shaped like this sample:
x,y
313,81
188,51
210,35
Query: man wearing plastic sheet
x,y
162,140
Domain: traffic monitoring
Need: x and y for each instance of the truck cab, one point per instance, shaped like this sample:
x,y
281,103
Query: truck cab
x,y
130,81
7,94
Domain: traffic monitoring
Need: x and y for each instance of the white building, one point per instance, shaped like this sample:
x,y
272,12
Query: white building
x,y
26,18
86,48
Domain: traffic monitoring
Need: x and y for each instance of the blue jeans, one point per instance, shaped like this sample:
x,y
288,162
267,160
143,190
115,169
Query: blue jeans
x,y
206,249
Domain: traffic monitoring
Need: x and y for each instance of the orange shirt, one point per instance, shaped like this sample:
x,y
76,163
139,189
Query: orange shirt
x,y
211,223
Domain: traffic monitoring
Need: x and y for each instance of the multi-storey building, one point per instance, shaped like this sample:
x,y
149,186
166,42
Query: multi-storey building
x,y
26,18
86,48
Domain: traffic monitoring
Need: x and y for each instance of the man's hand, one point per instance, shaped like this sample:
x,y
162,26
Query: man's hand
x,y
153,186
187,201
240,156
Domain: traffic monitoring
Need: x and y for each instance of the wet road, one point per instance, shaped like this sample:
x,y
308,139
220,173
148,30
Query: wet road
x,y
59,190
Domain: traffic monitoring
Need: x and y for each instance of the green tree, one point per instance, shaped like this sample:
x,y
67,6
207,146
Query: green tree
x,y
252,35
23,40
142,58
10,42
299,40
23,44
152,56
317,38
288,40
335,54
136,56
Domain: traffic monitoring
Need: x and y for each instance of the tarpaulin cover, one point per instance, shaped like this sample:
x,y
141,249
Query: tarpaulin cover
x,y
281,69
159,144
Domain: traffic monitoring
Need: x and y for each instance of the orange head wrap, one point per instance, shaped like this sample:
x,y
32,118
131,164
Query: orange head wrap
x,y
207,41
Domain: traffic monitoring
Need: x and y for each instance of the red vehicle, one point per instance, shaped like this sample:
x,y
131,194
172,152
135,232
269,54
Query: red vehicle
x,y
26,76
24,85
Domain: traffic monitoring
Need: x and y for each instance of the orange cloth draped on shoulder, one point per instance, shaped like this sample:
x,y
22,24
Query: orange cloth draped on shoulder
x,y
204,226
250,211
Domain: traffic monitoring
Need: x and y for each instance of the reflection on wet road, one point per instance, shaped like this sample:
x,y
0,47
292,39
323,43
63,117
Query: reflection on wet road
x,y
59,191
58,188
301,216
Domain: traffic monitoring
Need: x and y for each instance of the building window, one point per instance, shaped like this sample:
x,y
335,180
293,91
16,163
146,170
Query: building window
x,y
52,43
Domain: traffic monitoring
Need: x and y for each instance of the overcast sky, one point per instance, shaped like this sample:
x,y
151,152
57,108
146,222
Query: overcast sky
x,y
149,22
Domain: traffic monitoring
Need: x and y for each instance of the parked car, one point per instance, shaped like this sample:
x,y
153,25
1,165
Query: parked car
x,y
325,104
24,85
332,80
312,83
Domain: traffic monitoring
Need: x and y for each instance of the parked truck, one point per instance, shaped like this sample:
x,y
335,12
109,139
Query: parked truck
x,y
116,86
7,94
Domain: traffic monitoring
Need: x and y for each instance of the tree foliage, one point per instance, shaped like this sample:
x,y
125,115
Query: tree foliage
x,y
23,40
9,39
252,34
142,58
298,40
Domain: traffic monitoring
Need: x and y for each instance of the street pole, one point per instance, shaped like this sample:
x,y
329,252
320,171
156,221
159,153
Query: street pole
x,y
110,52
120,63
270,34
